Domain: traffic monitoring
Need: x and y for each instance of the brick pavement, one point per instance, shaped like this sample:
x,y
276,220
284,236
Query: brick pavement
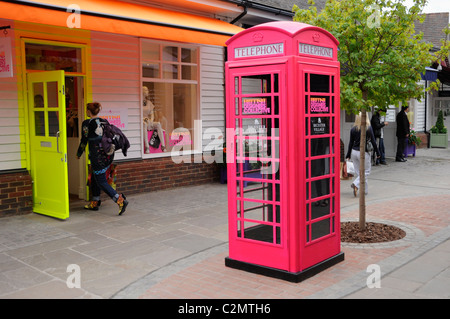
x,y
210,279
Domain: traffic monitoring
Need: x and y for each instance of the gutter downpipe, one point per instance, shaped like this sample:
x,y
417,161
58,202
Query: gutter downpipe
x,y
243,4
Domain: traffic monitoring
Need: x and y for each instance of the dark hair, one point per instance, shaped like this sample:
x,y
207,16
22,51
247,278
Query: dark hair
x,y
404,107
94,107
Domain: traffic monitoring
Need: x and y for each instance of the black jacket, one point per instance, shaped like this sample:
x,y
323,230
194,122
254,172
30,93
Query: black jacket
x,y
402,124
376,124
355,138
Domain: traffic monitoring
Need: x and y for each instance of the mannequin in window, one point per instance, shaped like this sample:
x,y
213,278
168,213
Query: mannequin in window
x,y
150,123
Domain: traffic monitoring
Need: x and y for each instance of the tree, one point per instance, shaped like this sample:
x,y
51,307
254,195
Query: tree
x,y
381,57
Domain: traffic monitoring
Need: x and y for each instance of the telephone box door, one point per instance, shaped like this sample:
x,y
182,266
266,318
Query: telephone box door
x,y
320,228
256,185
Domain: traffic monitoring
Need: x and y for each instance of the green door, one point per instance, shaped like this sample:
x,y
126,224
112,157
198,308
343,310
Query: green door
x,y
48,141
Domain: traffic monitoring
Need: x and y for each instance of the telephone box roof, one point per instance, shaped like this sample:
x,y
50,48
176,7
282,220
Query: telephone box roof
x,y
291,28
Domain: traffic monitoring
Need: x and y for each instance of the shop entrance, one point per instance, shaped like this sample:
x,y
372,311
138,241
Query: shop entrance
x,y
55,111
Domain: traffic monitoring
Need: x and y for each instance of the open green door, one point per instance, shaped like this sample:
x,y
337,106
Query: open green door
x,y
48,142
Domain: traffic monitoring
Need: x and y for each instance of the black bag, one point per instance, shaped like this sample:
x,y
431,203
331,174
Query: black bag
x,y
369,146
154,140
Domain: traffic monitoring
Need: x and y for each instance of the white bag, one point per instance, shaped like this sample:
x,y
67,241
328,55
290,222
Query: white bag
x,y
350,168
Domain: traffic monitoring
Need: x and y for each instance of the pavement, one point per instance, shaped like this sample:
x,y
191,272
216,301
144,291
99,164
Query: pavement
x,y
172,244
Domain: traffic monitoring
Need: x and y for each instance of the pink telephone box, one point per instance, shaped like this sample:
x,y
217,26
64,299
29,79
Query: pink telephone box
x,y
283,145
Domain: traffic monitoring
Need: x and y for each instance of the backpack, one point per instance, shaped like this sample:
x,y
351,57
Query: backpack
x,y
113,139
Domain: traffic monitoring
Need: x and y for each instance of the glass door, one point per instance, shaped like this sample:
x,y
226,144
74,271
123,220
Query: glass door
x,y
48,143
322,147
257,221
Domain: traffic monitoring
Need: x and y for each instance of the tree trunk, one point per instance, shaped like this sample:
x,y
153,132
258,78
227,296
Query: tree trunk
x,y
362,169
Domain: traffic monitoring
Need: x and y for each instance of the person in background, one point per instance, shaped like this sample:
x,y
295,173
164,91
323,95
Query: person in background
x,y
402,133
92,132
354,152
377,127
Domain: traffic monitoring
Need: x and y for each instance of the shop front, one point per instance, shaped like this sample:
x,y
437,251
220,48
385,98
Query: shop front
x,y
155,72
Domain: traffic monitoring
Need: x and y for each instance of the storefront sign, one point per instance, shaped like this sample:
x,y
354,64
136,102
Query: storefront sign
x,y
259,50
255,106
118,118
315,50
6,66
319,105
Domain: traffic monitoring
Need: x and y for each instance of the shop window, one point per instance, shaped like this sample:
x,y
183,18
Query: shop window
x,y
170,96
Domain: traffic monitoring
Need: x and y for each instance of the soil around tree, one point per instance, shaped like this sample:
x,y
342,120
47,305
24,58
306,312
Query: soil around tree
x,y
374,233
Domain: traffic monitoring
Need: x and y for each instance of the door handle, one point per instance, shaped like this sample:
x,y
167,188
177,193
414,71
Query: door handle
x,y
57,141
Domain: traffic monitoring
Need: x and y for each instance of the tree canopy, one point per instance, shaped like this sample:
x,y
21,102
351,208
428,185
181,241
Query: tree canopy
x,y
381,55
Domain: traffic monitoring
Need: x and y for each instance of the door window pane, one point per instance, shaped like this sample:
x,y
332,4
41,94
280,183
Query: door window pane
x,y
52,94
39,123
53,123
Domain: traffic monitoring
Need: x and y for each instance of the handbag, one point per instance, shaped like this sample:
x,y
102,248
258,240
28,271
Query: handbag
x,y
154,140
369,146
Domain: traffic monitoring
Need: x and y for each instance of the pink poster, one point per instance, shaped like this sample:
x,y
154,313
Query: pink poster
x,y
6,66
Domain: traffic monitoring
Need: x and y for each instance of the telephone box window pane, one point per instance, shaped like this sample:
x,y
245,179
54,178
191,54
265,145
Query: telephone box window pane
x,y
258,232
276,106
320,167
256,106
320,229
53,123
306,82
39,123
256,126
320,83
320,188
306,148
38,89
257,211
319,104
256,84
275,83
320,208
320,146
307,169
320,125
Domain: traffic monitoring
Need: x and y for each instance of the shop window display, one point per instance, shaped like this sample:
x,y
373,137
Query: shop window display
x,y
170,101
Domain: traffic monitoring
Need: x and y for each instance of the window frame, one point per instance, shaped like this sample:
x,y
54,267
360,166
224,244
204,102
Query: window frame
x,y
196,147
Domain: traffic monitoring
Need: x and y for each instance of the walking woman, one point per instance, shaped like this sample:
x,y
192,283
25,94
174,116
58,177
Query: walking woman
x,y
354,153
92,132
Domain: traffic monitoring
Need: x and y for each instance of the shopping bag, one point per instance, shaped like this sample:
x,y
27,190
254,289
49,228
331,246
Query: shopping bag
x,y
350,168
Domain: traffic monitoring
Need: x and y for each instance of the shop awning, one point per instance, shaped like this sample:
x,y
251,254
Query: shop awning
x,y
123,18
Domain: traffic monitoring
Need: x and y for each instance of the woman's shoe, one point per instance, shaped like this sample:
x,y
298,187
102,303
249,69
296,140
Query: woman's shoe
x,y
93,205
355,190
123,203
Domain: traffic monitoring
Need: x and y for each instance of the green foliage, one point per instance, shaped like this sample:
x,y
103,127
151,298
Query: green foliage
x,y
413,138
381,56
439,128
